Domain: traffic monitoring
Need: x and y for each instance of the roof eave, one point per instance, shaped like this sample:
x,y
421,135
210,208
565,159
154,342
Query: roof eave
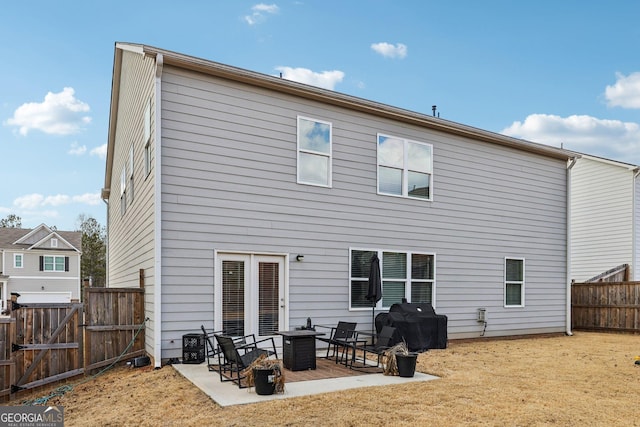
x,y
347,101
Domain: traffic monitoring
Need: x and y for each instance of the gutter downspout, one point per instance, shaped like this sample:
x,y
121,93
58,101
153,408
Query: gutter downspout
x,y
106,245
635,218
570,166
157,256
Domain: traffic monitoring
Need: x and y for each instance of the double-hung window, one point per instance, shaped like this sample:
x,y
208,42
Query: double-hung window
x,y
407,275
514,282
131,174
54,263
123,191
17,261
314,152
147,139
405,167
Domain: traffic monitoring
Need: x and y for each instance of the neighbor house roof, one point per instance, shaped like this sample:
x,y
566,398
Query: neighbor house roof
x,y
10,238
165,57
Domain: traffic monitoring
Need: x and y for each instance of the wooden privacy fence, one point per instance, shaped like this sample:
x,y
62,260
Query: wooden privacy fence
x,y
43,343
610,306
112,321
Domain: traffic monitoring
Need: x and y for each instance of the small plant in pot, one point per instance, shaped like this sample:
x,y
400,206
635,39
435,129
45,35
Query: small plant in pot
x,y
265,375
398,360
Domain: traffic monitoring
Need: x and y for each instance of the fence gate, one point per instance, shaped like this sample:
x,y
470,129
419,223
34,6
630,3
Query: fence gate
x,y
114,320
45,345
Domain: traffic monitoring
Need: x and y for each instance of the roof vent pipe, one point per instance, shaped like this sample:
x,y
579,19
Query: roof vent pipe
x,y
433,108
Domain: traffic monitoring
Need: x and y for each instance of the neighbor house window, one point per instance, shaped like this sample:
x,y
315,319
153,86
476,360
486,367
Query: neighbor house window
x,y
314,152
18,260
54,263
404,167
404,275
514,282
54,243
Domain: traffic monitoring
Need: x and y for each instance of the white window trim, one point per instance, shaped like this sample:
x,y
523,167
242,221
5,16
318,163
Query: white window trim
x,y
317,153
521,283
15,264
54,243
405,169
409,280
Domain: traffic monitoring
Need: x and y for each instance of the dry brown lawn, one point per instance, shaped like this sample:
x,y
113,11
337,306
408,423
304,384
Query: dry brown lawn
x,y
589,379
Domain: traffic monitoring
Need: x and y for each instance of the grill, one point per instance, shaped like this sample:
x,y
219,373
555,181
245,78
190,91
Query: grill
x,y
417,323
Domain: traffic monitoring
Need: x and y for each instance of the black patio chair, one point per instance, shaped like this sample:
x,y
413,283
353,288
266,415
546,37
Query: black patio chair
x,y
386,339
341,337
236,355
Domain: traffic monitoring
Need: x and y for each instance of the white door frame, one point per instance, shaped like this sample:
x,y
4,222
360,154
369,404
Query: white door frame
x,y
251,261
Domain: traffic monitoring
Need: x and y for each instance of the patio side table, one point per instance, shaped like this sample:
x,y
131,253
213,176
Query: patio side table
x,y
299,349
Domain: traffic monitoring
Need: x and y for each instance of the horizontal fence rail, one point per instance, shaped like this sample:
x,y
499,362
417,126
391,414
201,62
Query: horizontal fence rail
x,y
607,306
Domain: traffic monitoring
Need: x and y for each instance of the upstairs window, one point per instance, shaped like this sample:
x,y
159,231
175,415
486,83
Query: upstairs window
x,y
54,243
314,152
131,174
17,262
123,191
54,263
147,139
404,167
514,282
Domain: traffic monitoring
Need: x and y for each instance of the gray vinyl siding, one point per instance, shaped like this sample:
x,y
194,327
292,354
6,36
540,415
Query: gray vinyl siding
x,y
601,218
131,244
229,184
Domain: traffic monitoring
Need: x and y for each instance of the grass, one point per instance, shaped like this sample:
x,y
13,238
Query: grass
x,y
589,379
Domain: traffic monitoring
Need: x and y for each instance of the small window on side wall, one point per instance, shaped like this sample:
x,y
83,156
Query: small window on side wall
x,y
514,282
314,152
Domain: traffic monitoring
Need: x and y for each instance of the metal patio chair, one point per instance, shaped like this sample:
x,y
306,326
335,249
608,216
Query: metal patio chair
x,y
236,355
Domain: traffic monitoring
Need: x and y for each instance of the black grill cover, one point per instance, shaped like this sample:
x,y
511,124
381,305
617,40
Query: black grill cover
x,y
418,323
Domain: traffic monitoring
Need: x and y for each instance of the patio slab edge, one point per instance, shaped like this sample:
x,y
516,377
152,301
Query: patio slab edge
x,y
228,394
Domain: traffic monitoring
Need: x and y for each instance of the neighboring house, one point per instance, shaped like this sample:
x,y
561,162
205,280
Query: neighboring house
x,y
605,217
246,202
40,264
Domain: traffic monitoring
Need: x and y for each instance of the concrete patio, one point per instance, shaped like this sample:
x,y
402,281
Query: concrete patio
x,y
300,383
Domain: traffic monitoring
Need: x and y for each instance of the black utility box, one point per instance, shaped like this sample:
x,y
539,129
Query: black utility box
x,y
193,348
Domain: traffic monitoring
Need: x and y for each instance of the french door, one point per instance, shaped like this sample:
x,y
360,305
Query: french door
x,y
250,293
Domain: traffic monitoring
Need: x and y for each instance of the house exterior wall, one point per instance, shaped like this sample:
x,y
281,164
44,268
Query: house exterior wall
x,y
131,234
29,278
635,268
229,184
601,218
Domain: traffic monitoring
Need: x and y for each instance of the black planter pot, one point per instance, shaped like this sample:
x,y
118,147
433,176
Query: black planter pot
x,y
406,364
264,381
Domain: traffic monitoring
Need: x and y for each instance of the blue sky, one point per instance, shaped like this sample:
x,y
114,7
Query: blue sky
x,y
550,71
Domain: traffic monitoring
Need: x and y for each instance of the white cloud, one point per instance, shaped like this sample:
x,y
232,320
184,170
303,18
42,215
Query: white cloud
x,y
325,79
390,51
57,200
92,199
59,114
100,151
35,201
611,139
77,150
625,92
259,11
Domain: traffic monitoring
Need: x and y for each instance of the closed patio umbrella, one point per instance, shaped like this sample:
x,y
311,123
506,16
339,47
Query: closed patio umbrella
x,y
374,293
